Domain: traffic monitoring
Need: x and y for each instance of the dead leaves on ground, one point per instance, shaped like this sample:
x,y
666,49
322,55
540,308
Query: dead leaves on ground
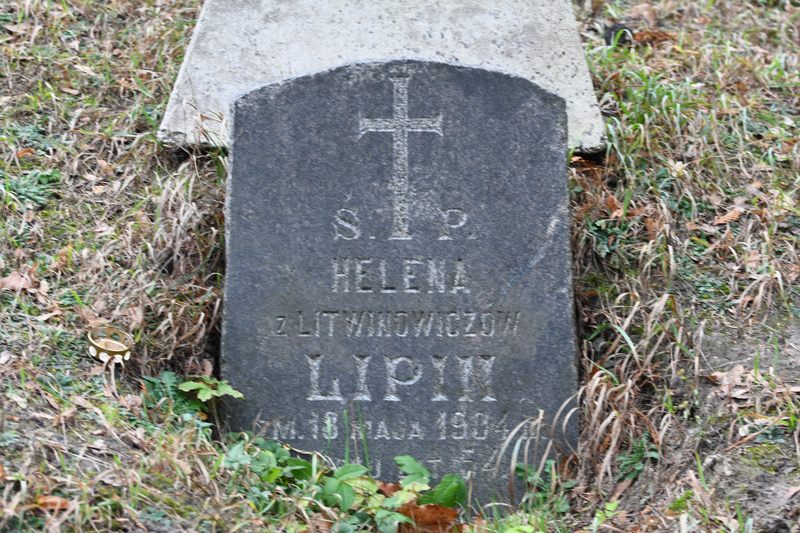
x,y
430,518
646,12
52,503
731,216
751,385
18,281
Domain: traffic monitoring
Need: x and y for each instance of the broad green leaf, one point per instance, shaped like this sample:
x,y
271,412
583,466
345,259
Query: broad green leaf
x,y
187,386
400,498
415,472
271,475
350,471
387,521
224,389
236,456
205,394
298,468
263,461
364,485
337,493
450,492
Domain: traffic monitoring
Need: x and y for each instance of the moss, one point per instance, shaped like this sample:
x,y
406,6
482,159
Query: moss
x,y
767,457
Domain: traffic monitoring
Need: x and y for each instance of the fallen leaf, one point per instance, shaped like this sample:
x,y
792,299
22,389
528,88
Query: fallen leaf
x,y
86,70
71,91
66,415
2,473
652,37
80,401
103,229
16,282
653,227
429,518
47,316
5,357
105,168
52,503
705,228
99,189
131,401
644,11
730,216
21,402
731,382
25,152
90,317
792,273
17,28
319,524
136,315
388,489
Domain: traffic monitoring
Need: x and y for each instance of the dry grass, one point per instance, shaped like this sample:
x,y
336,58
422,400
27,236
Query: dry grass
x,y
686,232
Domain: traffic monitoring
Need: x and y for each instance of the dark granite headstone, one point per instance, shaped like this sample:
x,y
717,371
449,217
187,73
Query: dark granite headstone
x,y
398,275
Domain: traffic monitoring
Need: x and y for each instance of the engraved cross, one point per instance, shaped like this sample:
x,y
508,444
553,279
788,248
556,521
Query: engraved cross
x,y
399,125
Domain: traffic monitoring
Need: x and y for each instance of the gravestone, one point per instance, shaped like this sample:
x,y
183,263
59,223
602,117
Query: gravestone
x,y
238,46
398,266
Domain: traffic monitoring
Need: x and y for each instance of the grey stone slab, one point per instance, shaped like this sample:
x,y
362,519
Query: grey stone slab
x,y
398,265
240,45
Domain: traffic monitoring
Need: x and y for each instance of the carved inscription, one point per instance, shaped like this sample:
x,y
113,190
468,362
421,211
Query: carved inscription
x,y
360,323
458,381
467,426
400,125
401,373
367,275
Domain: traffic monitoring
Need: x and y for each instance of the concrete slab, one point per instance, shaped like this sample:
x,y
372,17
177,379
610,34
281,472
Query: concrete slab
x,y
240,45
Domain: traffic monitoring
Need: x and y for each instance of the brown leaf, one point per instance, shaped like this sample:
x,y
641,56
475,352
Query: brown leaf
x,y
86,70
653,226
612,204
705,228
731,382
47,316
319,524
620,489
136,315
16,282
645,12
730,216
52,503
792,273
17,28
131,401
25,152
429,518
2,473
90,317
105,168
652,37
388,489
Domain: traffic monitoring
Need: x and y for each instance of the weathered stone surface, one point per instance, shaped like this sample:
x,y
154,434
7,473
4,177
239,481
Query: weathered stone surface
x,y
240,45
398,273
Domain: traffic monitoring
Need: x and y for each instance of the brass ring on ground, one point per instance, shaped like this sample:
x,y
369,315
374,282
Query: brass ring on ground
x,y
109,343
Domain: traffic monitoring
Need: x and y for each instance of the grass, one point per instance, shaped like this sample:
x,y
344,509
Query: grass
x,y
685,250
